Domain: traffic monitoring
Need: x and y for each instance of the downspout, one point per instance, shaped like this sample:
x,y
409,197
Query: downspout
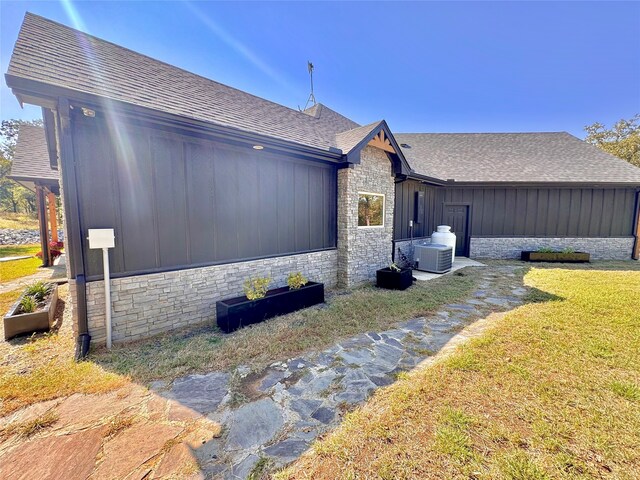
x,y
635,254
74,240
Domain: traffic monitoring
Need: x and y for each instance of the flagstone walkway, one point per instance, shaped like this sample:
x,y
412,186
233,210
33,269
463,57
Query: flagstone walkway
x,y
225,424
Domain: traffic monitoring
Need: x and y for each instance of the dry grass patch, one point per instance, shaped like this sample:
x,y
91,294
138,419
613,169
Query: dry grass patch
x,y
551,391
345,314
7,299
30,427
42,367
18,221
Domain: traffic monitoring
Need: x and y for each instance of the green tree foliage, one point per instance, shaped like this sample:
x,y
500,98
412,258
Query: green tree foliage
x,y
622,140
13,197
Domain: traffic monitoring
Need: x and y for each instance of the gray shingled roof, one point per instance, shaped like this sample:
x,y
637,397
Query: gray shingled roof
x,y
513,157
54,54
31,157
346,141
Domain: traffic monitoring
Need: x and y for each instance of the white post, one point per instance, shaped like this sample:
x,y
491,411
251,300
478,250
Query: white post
x,y
104,238
107,294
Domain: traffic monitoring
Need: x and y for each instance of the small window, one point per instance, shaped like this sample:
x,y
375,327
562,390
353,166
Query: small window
x,y
370,209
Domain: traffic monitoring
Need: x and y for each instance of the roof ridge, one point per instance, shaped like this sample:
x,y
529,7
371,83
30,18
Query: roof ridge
x,y
30,14
483,133
360,126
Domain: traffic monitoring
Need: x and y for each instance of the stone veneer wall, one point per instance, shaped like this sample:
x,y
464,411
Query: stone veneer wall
x,y
617,248
361,251
145,305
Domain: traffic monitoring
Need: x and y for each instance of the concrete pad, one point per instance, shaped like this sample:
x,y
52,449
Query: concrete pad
x,y
459,262
10,259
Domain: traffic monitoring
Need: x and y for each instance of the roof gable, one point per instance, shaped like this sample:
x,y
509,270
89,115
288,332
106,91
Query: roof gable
x,y
351,142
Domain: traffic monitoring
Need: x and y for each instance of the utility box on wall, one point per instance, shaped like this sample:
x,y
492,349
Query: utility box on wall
x,y
419,207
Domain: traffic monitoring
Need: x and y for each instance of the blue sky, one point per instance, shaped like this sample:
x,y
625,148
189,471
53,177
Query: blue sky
x,y
432,67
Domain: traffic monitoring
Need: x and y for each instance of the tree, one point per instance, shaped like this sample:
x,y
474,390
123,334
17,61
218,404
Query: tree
x,y
622,140
13,197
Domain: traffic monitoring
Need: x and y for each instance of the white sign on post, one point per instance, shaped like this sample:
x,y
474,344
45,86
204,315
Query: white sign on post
x,y
104,238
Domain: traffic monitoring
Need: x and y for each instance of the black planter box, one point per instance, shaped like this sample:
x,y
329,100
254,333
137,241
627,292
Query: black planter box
x,y
394,280
239,312
559,257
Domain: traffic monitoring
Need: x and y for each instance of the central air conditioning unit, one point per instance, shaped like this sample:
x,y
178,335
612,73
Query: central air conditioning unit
x,y
433,257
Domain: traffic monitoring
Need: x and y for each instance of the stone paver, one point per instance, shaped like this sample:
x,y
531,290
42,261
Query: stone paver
x,y
58,454
131,449
202,393
254,424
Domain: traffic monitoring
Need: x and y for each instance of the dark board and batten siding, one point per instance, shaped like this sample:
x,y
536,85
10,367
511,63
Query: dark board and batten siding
x,y
423,209
521,211
176,201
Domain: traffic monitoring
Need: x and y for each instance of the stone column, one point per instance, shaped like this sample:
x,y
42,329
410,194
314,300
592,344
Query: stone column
x,y
361,251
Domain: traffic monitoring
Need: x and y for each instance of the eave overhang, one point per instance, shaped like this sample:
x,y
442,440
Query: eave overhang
x,y
47,96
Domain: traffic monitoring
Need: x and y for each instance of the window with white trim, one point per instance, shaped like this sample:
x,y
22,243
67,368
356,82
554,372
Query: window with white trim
x,y
370,209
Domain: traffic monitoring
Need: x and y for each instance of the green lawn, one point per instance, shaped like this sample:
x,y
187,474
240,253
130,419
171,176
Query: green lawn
x,y
551,391
18,268
18,250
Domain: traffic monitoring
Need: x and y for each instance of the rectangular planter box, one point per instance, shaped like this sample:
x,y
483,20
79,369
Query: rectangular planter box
x,y
394,280
575,257
30,322
239,312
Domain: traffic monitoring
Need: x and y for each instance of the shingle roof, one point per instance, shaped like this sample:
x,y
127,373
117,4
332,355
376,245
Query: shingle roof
x,y
345,141
31,157
55,54
340,122
513,157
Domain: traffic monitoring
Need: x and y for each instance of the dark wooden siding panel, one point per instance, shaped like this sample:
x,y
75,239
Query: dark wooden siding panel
x,y
315,208
96,211
286,213
510,214
268,206
301,205
226,203
406,209
175,200
617,221
170,200
595,218
247,201
139,236
530,211
630,205
200,200
551,223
